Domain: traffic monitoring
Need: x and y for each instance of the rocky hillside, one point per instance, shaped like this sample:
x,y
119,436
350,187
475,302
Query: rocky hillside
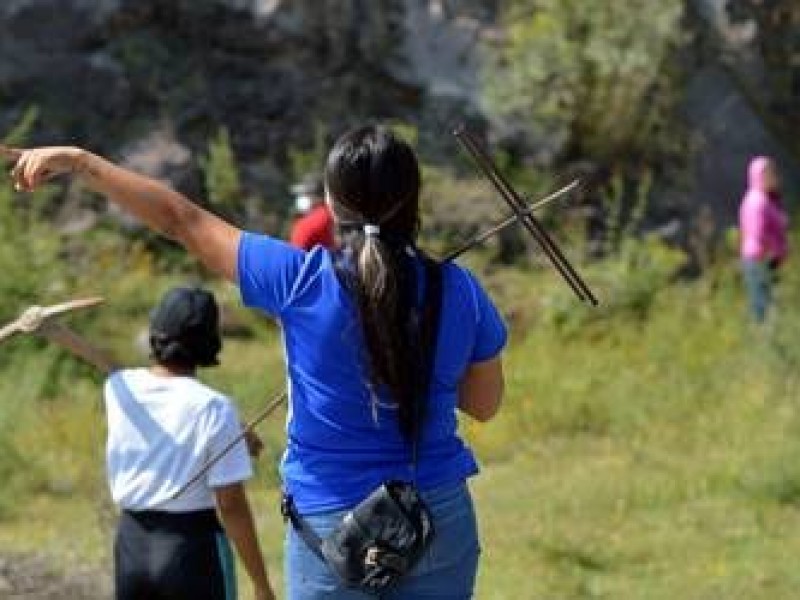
x,y
150,81
743,95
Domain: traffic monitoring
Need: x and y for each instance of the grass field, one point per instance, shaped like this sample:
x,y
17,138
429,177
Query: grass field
x,y
640,454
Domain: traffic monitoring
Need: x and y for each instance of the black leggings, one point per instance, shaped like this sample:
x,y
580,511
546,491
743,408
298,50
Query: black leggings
x,y
172,556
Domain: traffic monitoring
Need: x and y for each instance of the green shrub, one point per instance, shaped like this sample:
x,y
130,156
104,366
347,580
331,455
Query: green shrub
x,y
221,175
593,74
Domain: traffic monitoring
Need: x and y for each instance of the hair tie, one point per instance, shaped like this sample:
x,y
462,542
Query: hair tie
x,y
371,230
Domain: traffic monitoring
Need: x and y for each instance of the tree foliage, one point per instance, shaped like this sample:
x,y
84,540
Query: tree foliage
x,y
592,75
28,248
221,173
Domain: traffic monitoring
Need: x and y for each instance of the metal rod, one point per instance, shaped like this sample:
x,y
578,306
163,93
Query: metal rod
x,y
533,206
529,222
515,202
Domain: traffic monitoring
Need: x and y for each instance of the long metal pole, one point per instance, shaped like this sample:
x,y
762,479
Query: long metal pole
x,y
548,246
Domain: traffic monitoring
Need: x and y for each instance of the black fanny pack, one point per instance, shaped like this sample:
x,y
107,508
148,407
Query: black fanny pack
x,y
377,542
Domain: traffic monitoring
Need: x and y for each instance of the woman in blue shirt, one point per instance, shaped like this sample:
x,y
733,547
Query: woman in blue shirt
x,y
352,348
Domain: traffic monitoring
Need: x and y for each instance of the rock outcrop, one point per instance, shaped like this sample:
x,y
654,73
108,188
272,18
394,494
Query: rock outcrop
x,y
115,75
742,98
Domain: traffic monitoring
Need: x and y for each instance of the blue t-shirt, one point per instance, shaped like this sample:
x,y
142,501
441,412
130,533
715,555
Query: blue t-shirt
x,y
343,441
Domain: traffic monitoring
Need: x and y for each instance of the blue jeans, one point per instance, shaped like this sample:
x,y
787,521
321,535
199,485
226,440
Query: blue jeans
x,y
758,281
446,571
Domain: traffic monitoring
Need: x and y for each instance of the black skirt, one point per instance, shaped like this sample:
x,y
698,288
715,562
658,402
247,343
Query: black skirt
x,y
172,556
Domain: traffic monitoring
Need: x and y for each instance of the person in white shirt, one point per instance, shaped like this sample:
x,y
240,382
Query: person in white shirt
x,y
164,426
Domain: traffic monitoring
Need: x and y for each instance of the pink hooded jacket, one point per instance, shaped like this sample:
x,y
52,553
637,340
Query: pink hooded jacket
x,y
762,220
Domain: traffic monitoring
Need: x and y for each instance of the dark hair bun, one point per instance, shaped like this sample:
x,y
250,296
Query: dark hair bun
x,y
184,328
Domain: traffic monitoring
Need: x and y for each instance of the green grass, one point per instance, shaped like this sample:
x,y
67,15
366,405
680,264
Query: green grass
x,y
646,453
652,459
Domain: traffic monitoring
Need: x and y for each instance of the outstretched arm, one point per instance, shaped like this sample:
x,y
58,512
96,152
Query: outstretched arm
x,y
208,237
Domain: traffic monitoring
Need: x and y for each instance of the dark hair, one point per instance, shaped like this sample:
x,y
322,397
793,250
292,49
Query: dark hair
x,y
184,329
373,179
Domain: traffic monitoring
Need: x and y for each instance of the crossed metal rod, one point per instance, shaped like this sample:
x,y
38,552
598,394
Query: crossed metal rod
x,y
525,217
43,321
485,235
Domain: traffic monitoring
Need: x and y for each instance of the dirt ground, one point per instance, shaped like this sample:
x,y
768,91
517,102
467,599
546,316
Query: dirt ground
x,y
33,578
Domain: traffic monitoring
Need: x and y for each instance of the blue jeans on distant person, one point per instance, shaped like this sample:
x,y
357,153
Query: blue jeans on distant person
x,y
446,571
758,281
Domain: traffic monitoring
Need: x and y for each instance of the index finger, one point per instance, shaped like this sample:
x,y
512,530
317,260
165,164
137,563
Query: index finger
x,y
9,153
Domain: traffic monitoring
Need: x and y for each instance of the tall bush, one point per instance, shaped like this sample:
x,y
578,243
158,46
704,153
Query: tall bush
x,y
29,248
28,258
593,74
221,173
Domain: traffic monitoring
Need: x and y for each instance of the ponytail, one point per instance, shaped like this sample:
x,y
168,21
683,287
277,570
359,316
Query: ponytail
x,y
373,182
374,270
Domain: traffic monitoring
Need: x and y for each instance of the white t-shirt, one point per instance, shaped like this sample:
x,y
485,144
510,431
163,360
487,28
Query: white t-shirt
x,y
161,432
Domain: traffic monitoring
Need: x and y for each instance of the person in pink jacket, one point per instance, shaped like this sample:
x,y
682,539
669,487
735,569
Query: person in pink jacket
x,y
763,223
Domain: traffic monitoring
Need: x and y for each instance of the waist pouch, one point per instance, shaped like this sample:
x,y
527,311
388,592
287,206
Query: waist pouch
x,y
377,542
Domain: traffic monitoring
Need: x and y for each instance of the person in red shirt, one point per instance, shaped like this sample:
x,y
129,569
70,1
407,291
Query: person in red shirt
x,y
314,224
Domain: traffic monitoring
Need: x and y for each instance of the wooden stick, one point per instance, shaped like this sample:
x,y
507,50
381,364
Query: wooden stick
x,y
57,309
64,336
35,317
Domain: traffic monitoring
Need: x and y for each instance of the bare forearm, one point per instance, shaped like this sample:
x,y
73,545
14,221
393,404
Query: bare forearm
x,y
169,212
156,204
165,210
240,528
